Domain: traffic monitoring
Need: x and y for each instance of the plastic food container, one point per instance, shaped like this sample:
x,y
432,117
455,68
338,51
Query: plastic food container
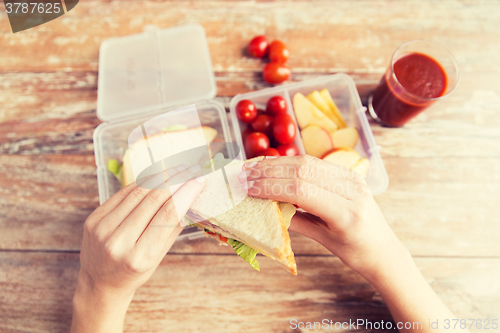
x,y
145,75
344,93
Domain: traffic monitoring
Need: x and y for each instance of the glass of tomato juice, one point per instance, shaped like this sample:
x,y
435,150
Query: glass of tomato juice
x,y
420,74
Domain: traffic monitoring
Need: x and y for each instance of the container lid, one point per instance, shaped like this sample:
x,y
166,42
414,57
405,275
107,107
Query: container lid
x,y
164,67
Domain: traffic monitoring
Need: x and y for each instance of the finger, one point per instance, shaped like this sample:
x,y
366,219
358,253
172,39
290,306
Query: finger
x,y
112,202
160,234
116,199
329,177
308,196
169,241
307,225
305,165
151,181
134,196
134,224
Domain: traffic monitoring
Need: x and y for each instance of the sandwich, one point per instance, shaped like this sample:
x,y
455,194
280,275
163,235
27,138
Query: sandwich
x,y
249,225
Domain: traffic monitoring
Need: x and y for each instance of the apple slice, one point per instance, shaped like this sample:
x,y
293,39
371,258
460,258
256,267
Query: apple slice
x,y
303,110
210,133
329,100
316,98
307,113
362,167
345,137
317,141
345,157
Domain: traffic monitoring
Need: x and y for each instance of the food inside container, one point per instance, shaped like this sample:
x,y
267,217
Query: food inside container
x,y
111,142
142,76
124,73
331,124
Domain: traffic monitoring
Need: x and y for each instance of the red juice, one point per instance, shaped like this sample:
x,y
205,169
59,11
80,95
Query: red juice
x,y
418,80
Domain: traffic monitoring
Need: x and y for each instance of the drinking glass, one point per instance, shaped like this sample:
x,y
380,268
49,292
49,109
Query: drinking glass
x,y
420,68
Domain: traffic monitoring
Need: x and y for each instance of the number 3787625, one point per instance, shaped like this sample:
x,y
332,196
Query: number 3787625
x,y
485,324
32,7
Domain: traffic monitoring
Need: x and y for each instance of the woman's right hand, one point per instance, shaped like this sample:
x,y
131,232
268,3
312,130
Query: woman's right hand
x,y
341,213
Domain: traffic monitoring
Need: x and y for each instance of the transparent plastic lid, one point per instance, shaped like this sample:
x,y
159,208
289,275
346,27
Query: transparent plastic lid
x,y
139,73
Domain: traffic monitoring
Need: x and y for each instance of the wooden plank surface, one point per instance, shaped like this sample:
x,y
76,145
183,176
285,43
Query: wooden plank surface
x,y
55,114
45,199
323,36
219,293
444,166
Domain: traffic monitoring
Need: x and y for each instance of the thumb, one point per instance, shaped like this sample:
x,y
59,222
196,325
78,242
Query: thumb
x,y
308,225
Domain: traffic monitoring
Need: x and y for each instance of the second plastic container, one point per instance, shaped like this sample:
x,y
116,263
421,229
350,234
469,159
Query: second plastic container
x,y
346,97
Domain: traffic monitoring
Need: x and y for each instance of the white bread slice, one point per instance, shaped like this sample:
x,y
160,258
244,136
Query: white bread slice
x,y
257,222
180,140
128,175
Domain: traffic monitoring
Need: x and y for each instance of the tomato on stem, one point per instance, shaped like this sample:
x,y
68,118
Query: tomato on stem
x,y
258,46
270,152
276,73
276,105
263,123
284,128
246,111
256,143
289,149
278,52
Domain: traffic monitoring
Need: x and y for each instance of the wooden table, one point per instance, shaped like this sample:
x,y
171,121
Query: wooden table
x,y
444,167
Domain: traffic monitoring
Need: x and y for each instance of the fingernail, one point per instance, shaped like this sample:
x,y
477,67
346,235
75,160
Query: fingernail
x,y
182,167
243,176
201,179
182,223
271,157
194,169
251,164
246,186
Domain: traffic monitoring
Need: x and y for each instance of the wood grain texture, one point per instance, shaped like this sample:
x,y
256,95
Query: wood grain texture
x,y
323,36
444,166
218,293
45,200
54,113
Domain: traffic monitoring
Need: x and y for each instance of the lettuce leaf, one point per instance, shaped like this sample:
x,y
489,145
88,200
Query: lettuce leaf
x,y
116,168
245,252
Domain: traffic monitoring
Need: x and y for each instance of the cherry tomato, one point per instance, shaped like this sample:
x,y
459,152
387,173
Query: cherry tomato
x,y
258,46
284,128
246,111
275,105
256,143
276,73
278,52
270,152
246,133
263,123
289,149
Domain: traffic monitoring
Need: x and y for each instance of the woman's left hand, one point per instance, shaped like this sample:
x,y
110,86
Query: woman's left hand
x,y
124,241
